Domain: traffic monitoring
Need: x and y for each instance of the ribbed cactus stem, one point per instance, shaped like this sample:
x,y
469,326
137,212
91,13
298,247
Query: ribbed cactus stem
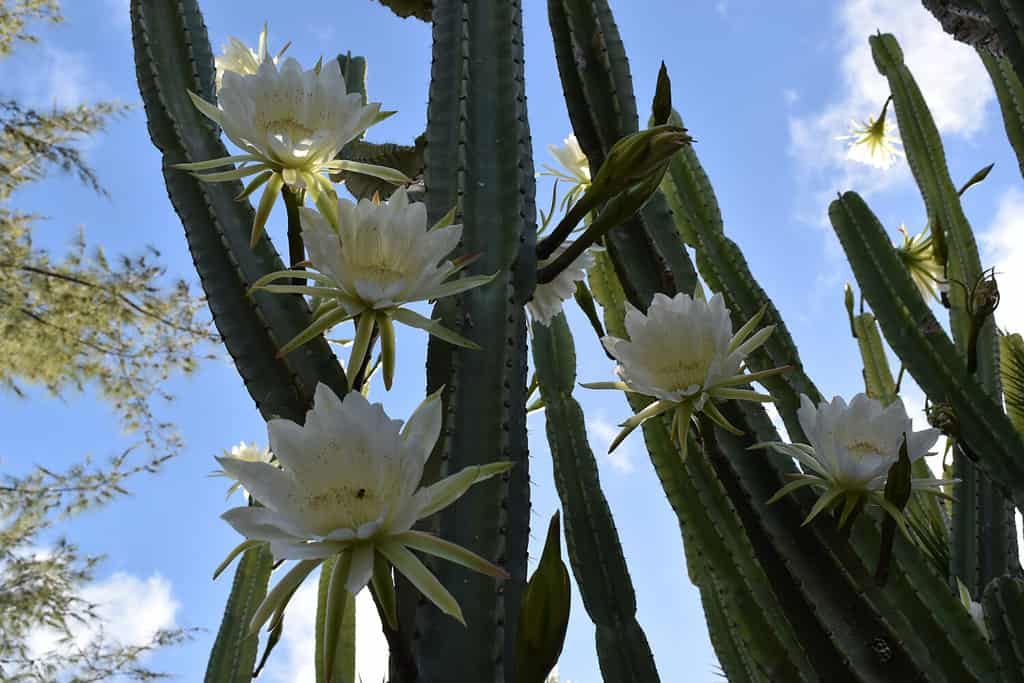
x,y
478,159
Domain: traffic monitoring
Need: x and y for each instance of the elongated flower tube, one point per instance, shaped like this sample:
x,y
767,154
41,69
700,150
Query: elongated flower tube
x,y
874,142
349,486
918,256
683,353
381,258
291,123
548,297
852,448
575,168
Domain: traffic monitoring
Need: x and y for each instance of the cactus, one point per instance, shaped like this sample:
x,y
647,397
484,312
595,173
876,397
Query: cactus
x,y
784,600
476,89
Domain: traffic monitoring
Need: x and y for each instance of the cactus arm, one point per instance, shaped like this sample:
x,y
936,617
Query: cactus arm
x,y
1003,602
173,55
878,379
724,268
984,534
927,161
478,160
595,552
1008,18
1010,93
598,91
233,656
967,22
915,335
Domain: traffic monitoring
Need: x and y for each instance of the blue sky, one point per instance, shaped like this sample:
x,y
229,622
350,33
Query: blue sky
x,y
764,87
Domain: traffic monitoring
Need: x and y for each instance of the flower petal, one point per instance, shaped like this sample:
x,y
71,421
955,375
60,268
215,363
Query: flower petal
x,y
361,569
424,426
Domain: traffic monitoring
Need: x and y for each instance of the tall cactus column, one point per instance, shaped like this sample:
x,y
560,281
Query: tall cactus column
x,y
479,160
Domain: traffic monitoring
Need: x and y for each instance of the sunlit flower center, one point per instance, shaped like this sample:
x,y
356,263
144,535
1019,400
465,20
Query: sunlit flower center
x,y
682,373
864,448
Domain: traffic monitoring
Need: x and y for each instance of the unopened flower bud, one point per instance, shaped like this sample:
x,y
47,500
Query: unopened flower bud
x,y
636,158
985,297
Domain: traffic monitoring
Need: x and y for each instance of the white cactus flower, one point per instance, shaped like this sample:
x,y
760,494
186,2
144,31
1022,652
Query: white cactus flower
x,y
874,142
548,297
291,123
239,58
683,353
381,257
973,607
248,453
575,168
918,256
349,486
852,448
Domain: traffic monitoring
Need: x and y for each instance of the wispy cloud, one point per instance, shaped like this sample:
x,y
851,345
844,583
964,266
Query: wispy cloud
x,y
950,75
130,609
602,433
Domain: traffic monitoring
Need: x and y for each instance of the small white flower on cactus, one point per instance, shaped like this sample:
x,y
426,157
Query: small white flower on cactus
x,y
548,297
247,453
239,58
918,256
874,142
348,486
291,124
973,607
381,257
575,168
851,450
683,354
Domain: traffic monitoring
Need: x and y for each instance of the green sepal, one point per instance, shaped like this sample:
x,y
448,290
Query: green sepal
x,y
434,327
387,348
384,591
338,603
235,552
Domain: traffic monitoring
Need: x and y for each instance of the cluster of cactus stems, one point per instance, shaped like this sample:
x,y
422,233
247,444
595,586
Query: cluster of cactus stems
x,y
784,601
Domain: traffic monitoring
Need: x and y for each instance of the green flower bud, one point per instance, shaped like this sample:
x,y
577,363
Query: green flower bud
x,y
640,158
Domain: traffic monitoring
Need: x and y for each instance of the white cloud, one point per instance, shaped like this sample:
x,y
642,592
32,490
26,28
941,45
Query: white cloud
x,y
604,433
950,75
45,76
791,96
130,609
1003,246
293,663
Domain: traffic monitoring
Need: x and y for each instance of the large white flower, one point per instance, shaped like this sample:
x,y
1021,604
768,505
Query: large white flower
x,y
852,448
575,168
381,257
548,297
683,353
874,142
348,486
291,124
